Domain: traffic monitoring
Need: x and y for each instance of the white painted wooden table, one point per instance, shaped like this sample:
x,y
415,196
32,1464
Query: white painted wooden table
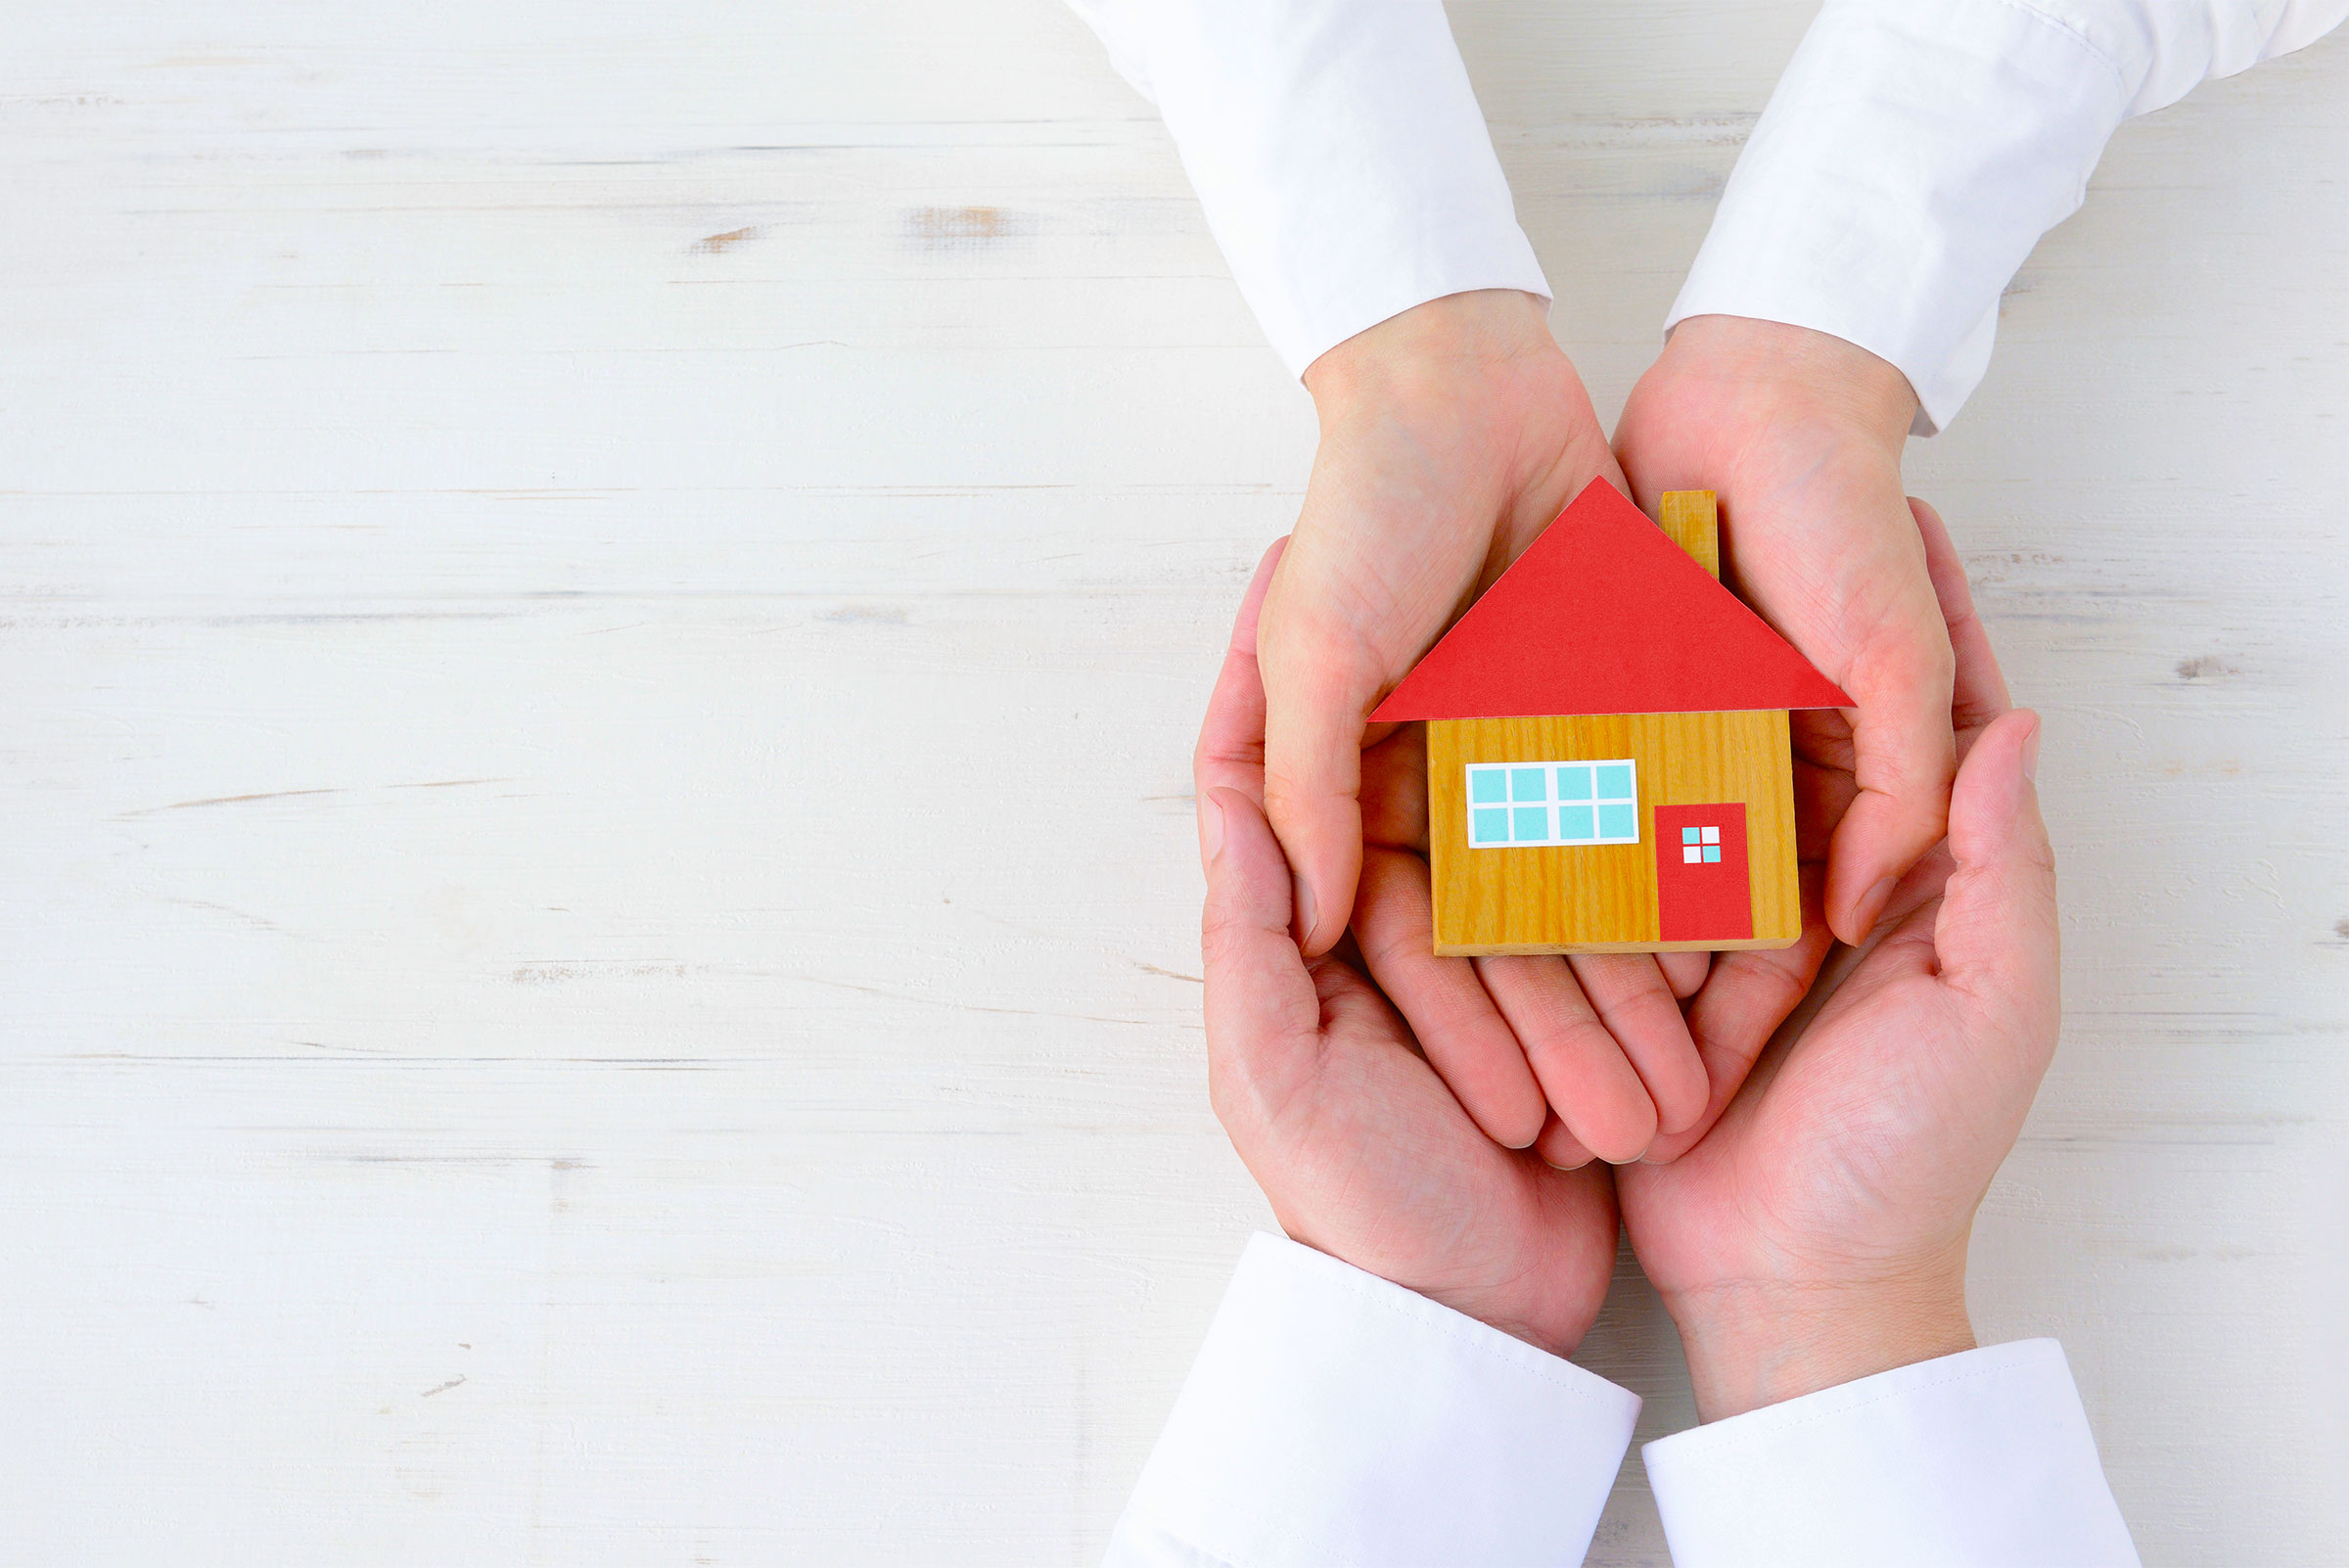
x,y
602,608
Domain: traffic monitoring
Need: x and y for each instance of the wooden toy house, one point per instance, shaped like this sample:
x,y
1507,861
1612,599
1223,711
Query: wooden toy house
x,y
1608,762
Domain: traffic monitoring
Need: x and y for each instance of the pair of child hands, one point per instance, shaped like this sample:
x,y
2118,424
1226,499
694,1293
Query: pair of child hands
x,y
1451,436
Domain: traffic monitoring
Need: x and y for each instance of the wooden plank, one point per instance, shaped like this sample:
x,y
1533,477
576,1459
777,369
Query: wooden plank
x,y
526,857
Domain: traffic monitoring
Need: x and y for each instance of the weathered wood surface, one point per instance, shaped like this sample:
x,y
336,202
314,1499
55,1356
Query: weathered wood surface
x,y
602,608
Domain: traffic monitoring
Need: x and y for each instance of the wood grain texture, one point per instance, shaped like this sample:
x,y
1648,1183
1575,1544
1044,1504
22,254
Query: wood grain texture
x,y
478,1086
1602,898
1692,519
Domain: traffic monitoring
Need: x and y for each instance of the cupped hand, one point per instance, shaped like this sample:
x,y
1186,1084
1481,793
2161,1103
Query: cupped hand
x,y
1364,1151
1800,434
1450,436
1818,1231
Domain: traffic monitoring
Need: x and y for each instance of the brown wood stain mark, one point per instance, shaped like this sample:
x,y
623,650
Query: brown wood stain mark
x,y
227,799
964,228
1602,898
719,244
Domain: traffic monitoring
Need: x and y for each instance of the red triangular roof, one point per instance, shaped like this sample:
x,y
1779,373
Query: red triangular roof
x,y
1603,613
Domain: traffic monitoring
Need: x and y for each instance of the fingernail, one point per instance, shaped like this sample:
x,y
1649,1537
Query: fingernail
x,y
1305,909
2031,754
1211,827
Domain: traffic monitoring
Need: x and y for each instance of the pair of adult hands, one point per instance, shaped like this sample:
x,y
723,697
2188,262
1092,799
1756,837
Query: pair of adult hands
x,y
1450,436
1811,1226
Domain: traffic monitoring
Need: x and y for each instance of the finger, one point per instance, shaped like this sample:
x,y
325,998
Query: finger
x,y
1264,1015
1230,753
1583,1073
1558,1147
1745,999
1684,971
1462,1034
1629,993
1904,757
1978,694
1996,935
1319,685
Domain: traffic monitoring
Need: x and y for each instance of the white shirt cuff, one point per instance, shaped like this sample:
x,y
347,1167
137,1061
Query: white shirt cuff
x,y
1335,1420
1908,160
1977,1460
1338,150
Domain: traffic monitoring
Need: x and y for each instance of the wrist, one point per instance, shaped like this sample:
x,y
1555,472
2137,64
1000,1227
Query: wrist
x,y
1751,1345
1555,1327
1799,373
1432,348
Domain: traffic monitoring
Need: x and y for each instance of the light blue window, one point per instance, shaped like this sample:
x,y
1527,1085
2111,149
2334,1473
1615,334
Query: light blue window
x,y
1689,835
1616,786
1712,854
1509,802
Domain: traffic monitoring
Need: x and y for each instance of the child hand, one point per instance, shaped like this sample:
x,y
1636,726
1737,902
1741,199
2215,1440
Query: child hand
x,y
1800,434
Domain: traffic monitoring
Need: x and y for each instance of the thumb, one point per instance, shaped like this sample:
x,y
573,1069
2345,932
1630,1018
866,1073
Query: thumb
x,y
1996,935
1262,1013
1317,693
1903,756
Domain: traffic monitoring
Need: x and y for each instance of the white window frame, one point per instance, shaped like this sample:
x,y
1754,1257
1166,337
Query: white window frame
x,y
1550,804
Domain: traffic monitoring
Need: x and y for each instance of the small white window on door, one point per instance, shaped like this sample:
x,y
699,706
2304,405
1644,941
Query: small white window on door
x,y
1700,845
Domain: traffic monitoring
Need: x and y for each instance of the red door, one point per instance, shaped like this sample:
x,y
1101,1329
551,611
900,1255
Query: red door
x,y
1702,892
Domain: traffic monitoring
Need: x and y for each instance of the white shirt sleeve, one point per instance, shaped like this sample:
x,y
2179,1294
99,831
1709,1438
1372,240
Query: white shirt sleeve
x,y
1335,1420
1338,150
1977,1460
1916,150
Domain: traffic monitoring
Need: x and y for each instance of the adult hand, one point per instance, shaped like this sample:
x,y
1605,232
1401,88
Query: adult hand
x,y
1450,436
1818,1231
1363,1150
1800,433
